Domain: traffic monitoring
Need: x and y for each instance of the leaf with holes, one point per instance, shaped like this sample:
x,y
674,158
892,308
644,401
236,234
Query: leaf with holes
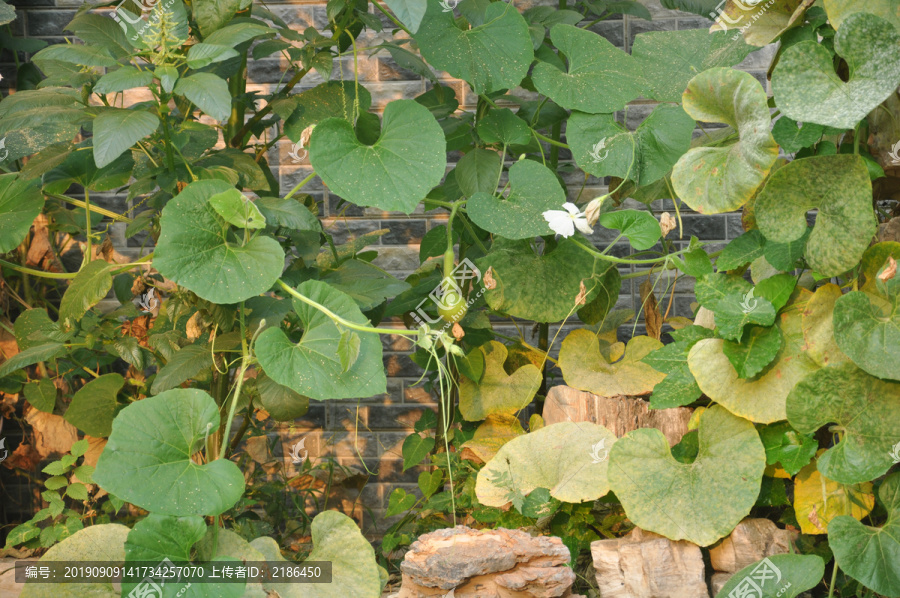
x,y
313,366
700,501
723,178
570,459
534,189
497,392
148,458
864,407
395,172
807,89
197,250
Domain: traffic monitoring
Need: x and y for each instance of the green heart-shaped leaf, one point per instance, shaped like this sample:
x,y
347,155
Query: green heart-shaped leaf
x,y
197,250
584,367
807,89
594,64
237,210
787,448
94,405
494,54
497,391
569,458
840,188
603,147
871,555
865,407
312,367
757,348
668,60
679,386
867,330
396,171
723,178
700,501
785,575
147,460
335,538
533,190
762,398
544,287
20,203
504,127
639,227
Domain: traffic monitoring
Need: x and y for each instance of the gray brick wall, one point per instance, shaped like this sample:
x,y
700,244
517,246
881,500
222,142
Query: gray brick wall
x,y
373,429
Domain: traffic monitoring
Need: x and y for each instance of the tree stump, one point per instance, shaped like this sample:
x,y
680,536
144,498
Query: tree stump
x,y
620,414
500,563
646,565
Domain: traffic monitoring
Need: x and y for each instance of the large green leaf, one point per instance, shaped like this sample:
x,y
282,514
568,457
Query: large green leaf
x,y
94,405
281,403
668,60
335,538
732,299
312,366
787,448
103,542
497,391
396,171
867,410
761,398
603,147
89,286
839,188
777,576
478,171
871,554
867,330
367,284
570,459
41,394
490,56
584,367
197,250
723,178
116,130
600,77
96,29
31,356
544,287
638,226
209,92
333,99
20,203
756,349
700,501
534,189
211,15
127,77
79,168
807,88
237,210
147,460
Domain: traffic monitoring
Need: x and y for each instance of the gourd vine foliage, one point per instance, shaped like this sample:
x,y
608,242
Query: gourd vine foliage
x,y
247,304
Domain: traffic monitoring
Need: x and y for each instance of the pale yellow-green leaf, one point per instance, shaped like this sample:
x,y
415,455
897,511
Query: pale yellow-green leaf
x,y
762,23
818,500
496,430
584,367
498,392
570,459
818,327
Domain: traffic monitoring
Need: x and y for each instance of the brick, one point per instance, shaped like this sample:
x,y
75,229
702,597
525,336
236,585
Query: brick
x,y
636,27
403,232
733,226
46,23
704,227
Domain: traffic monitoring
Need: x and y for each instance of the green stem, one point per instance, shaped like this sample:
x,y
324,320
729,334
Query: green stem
x,y
65,275
549,140
338,319
87,228
391,17
245,363
92,208
237,86
300,185
834,573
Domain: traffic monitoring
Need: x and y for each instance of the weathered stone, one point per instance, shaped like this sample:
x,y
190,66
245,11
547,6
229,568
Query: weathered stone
x,y
646,565
498,563
751,541
718,582
618,414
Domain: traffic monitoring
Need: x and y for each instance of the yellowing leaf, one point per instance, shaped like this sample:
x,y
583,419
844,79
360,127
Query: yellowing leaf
x,y
818,327
584,367
818,500
498,392
496,430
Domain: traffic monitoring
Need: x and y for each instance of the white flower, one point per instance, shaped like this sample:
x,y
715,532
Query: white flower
x,y
592,210
565,222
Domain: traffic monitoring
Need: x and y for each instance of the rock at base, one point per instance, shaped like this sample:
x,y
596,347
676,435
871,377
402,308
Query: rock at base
x,y
751,541
501,563
646,565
